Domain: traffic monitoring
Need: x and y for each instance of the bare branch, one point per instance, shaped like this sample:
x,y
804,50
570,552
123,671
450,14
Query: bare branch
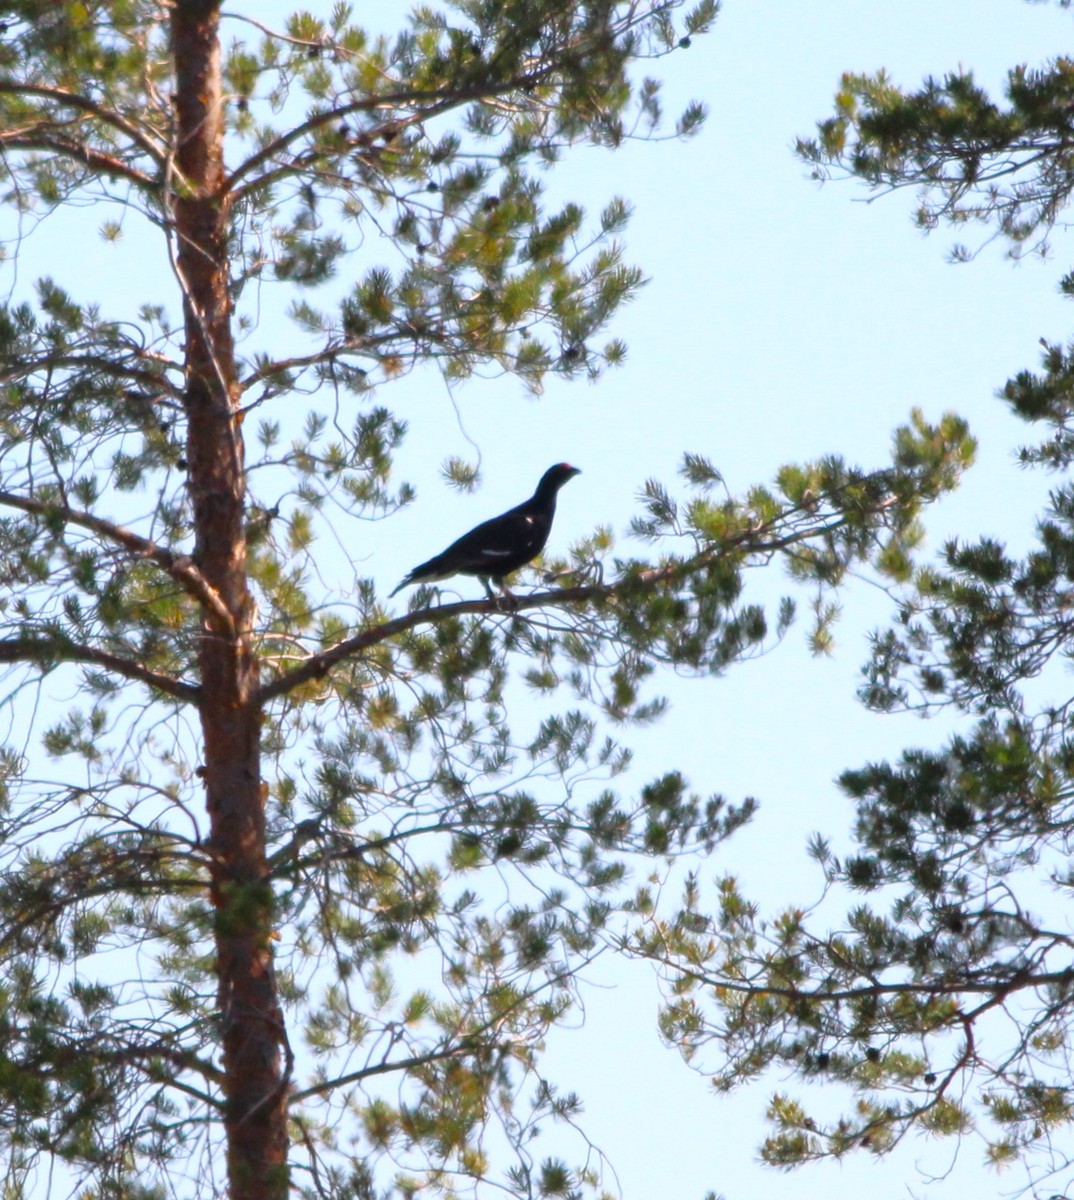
x,y
995,988
91,362
39,649
105,164
180,567
402,1064
84,104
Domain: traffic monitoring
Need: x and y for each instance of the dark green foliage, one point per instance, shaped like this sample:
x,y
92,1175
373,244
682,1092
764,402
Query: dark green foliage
x,y
974,159
944,998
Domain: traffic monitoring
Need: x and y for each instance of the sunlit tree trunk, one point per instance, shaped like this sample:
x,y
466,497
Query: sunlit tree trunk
x,y
249,1014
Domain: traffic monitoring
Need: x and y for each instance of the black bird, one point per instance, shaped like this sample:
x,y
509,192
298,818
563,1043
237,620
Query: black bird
x,y
495,548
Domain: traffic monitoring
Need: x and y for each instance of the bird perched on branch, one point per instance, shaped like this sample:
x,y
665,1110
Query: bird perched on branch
x,y
495,548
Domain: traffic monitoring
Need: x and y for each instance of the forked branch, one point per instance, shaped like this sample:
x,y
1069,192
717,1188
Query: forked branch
x,y
179,566
58,648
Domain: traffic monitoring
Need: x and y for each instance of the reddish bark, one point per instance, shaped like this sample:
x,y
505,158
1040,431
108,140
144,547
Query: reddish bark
x,y
251,1022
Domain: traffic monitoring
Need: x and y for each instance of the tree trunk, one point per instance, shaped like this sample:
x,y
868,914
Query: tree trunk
x,y
251,1022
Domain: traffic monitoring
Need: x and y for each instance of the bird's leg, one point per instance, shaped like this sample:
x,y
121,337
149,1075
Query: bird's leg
x,y
506,598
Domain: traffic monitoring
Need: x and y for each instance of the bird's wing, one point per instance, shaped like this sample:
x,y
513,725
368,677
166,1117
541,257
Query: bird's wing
x,y
505,542
495,547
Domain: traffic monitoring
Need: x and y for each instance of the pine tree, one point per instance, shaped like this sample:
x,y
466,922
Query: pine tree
x,y
945,1000
286,900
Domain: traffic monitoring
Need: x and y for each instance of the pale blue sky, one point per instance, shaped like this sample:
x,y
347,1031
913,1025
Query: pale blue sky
x,y
782,321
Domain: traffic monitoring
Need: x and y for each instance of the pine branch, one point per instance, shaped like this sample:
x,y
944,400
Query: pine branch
x,y
180,567
996,987
757,540
84,104
318,665
439,105
533,72
464,1043
92,362
383,1068
61,649
98,163
328,353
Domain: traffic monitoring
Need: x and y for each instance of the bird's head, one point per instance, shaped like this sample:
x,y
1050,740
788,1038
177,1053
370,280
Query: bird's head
x,y
555,477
